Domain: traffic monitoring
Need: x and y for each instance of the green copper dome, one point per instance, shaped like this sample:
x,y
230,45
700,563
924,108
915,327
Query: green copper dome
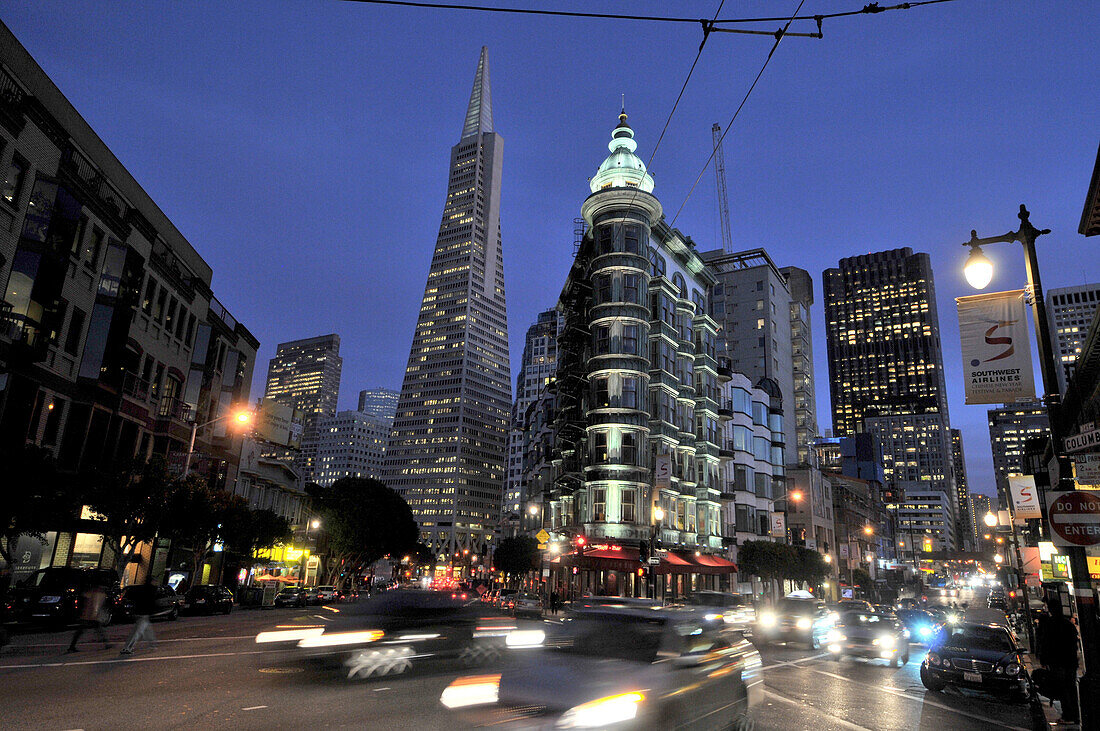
x,y
622,168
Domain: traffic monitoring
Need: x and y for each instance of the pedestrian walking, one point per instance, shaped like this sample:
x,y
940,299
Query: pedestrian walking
x,y
1057,640
555,600
144,597
93,605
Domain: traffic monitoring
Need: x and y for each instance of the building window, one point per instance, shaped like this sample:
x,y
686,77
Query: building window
x,y
600,397
76,330
150,293
656,264
630,340
599,504
632,242
599,448
629,499
94,247
629,397
603,288
602,340
628,454
14,178
605,237
78,237
630,289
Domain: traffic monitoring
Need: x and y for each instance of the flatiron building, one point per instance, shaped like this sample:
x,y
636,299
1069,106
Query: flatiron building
x,y
447,452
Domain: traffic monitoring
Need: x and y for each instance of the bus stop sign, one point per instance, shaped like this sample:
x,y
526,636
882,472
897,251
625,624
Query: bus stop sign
x,y
1075,518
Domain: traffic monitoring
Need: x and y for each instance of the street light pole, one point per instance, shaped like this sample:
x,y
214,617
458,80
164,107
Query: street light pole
x,y
1082,584
242,417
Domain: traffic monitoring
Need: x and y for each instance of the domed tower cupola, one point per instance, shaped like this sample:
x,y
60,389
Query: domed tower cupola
x,y
622,168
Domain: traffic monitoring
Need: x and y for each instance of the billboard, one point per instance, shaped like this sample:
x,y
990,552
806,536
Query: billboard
x,y
279,424
1025,497
996,351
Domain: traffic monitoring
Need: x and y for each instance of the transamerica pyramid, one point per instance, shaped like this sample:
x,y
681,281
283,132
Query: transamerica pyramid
x,y
447,452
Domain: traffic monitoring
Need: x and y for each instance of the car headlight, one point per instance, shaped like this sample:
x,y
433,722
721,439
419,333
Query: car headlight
x,y
804,623
924,631
933,659
834,636
952,618
525,638
475,690
603,712
712,617
1012,669
885,641
767,619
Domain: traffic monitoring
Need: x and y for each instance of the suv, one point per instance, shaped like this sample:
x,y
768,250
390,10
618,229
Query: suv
x,y
54,594
291,596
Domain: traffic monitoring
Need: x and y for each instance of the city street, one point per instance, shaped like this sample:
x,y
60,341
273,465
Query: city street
x,y
209,672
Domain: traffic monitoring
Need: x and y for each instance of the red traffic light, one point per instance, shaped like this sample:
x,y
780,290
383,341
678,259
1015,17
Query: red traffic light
x,y
580,541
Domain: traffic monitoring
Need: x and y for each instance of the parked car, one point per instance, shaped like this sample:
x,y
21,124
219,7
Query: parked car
x,y
208,599
621,667
980,656
736,610
326,594
54,594
291,596
527,605
506,599
872,636
795,619
166,601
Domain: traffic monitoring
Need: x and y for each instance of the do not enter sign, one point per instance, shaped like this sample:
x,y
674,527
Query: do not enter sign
x,y
1075,518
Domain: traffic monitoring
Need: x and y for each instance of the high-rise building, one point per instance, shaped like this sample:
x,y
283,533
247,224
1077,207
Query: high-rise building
x,y
351,444
766,333
886,377
638,426
540,362
1070,311
379,402
1010,426
305,375
963,522
449,444
979,506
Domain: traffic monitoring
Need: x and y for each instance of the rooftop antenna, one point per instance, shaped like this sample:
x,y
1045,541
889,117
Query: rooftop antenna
x,y
723,198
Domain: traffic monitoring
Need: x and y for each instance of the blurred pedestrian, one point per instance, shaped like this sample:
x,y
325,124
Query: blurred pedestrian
x,y
144,597
1057,640
92,613
555,600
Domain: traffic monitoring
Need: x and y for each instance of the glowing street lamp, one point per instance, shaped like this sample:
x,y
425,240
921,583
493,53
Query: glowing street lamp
x,y
869,530
796,496
998,558
990,519
978,268
242,417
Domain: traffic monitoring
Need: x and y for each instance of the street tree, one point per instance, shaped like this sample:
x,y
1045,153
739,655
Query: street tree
x,y
257,530
201,515
809,566
767,560
38,497
517,555
131,502
363,521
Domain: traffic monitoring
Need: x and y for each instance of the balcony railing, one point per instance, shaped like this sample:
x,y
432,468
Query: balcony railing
x,y
135,386
173,408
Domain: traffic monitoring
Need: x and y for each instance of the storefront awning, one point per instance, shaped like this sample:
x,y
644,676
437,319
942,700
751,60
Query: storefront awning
x,y
709,564
625,558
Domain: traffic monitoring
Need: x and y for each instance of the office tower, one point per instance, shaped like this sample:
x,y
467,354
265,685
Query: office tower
x,y
637,392
450,438
540,362
1070,311
351,444
1010,426
979,506
765,333
379,402
305,375
963,522
886,377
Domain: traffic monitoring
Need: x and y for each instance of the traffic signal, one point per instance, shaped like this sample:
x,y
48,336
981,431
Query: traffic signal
x,y
641,572
643,552
578,544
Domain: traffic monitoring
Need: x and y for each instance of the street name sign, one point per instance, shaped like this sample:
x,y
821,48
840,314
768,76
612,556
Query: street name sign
x,y
1084,440
1074,517
654,560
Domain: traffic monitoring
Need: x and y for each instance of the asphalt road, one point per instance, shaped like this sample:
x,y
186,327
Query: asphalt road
x,y
208,672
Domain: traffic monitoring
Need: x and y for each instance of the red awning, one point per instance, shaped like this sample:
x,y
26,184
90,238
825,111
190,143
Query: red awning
x,y
602,558
709,564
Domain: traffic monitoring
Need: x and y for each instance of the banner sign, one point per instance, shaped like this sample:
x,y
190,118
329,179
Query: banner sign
x,y
995,348
779,525
1025,497
662,472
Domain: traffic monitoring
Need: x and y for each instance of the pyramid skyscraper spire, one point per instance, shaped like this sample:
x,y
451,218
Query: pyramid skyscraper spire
x,y
447,453
479,113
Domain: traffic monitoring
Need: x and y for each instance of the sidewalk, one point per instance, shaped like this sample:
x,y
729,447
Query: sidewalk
x,y
1048,718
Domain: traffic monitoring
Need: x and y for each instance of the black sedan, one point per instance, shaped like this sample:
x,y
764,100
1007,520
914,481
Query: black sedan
x,y
868,635
292,596
980,656
618,668
207,599
396,632
55,595
166,602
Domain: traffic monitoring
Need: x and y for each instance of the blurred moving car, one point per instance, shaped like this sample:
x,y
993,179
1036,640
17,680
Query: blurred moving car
x,y
395,631
852,605
922,626
326,594
528,605
618,668
208,599
54,594
291,596
794,619
736,610
166,601
873,636
504,599
980,656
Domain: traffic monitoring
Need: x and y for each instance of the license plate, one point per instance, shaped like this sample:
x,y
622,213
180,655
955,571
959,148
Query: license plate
x,y
972,677
49,600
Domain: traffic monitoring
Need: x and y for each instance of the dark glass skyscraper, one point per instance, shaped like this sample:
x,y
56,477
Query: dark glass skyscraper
x,y
446,455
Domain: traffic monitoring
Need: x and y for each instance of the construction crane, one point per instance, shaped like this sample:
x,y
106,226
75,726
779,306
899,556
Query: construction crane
x,y
723,198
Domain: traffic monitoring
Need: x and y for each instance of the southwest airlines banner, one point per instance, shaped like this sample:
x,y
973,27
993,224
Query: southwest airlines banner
x,y
1025,497
995,348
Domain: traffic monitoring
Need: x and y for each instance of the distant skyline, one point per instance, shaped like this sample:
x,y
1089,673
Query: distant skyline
x,y
302,149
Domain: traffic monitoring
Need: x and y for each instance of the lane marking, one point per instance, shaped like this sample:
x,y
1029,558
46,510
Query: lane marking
x,y
803,704
119,660
794,662
253,708
379,690
327,619
925,699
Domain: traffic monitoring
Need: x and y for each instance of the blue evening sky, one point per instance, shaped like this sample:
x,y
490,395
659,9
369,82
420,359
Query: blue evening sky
x,y
302,147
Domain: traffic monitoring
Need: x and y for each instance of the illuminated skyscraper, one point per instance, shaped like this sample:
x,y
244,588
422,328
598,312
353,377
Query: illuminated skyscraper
x,y
446,455
305,374
1070,311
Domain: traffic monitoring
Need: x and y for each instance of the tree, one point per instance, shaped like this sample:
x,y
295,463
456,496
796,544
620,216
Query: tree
x,y
808,566
767,560
131,501
257,530
37,497
201,515
516,556
363,521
